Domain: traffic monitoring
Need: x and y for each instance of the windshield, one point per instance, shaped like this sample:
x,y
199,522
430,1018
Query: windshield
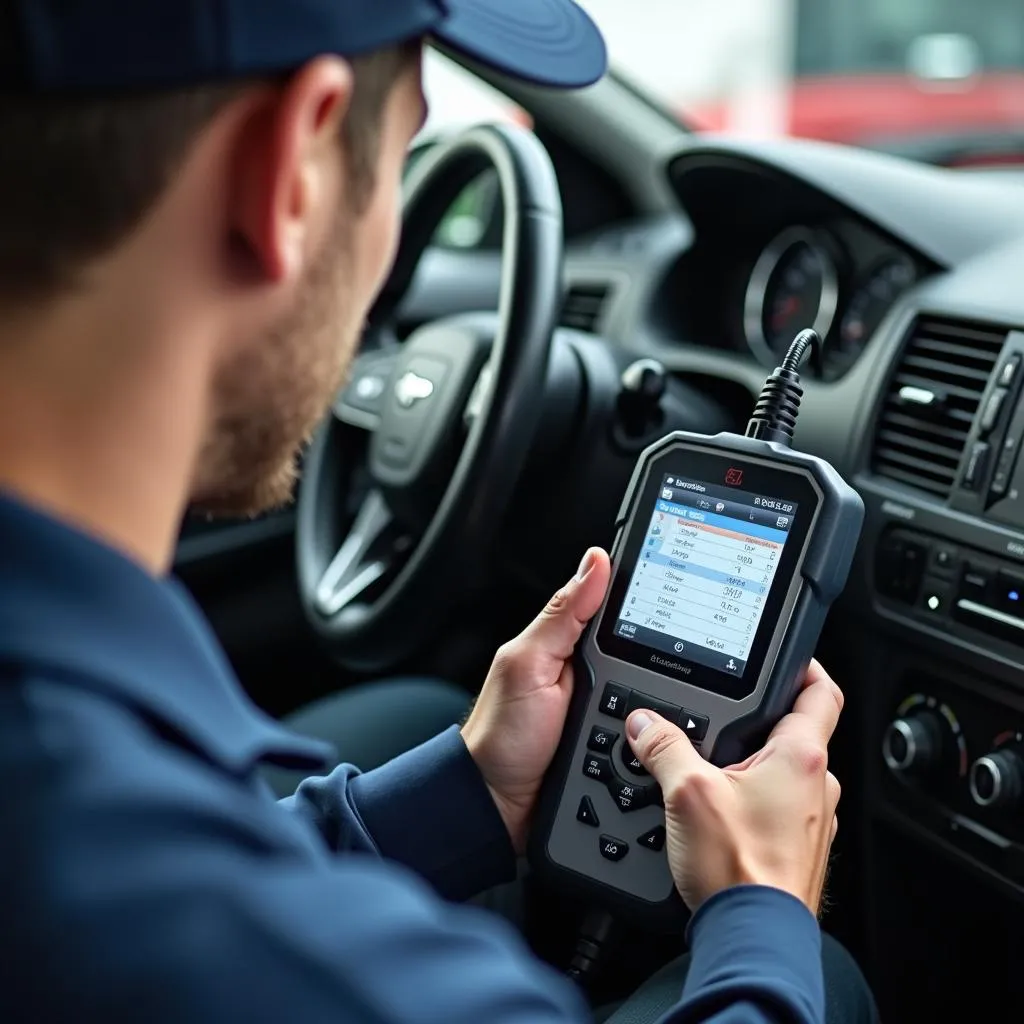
x,y
936,80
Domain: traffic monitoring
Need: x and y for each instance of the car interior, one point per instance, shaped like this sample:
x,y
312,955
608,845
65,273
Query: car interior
x,y
676,267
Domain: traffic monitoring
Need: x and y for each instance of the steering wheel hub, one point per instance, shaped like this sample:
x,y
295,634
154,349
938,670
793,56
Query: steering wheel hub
x,y
415,447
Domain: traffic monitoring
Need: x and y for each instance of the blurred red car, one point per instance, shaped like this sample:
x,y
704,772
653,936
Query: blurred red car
x,y
936,80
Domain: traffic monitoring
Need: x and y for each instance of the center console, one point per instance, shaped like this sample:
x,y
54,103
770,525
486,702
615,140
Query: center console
x,y
945,514
933,664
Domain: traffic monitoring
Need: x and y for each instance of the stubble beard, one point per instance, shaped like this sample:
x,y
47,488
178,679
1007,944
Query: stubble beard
x,y
269,400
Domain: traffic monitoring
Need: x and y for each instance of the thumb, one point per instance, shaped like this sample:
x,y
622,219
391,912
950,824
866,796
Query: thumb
x,y
557,629
663,749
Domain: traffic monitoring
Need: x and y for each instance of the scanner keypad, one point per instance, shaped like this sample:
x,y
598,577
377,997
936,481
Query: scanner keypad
x,y
635,790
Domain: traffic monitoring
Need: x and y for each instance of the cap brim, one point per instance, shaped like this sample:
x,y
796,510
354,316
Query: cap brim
x,y
546,42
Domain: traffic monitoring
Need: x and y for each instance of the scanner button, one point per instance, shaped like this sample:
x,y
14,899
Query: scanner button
x,y
612,848
601,739
587,814
614,700
597,768
662,707
628,796
695,726
632,763
653,840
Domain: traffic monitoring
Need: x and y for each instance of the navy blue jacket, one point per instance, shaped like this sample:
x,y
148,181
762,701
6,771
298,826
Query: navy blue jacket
x,y
146,873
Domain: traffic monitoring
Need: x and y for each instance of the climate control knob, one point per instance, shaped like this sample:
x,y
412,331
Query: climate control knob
x,y
913,745
997,779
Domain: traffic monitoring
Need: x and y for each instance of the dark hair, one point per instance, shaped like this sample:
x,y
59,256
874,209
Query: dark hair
x,y
77,175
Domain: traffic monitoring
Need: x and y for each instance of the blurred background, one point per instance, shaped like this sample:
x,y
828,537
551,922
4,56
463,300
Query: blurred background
x,y
940,81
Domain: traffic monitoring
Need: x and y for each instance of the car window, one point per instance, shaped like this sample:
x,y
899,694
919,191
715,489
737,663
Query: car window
x,y
458,100
937,80
937,40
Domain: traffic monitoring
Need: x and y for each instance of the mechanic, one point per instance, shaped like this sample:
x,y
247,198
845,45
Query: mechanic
x,y
198,203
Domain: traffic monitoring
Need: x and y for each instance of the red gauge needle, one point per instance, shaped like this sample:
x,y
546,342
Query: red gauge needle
x,y
784,310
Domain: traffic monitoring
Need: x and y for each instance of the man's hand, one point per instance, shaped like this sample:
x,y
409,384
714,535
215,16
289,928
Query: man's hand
x,y
517,721
769,821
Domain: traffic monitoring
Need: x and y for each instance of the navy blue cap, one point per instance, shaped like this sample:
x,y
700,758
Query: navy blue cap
x,y
107,45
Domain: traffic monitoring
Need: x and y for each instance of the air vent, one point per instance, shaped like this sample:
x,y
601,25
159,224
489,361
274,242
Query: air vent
x,y
584,307
932,402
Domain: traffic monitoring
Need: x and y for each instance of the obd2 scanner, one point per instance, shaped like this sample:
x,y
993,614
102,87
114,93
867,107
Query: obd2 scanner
x,y
728,554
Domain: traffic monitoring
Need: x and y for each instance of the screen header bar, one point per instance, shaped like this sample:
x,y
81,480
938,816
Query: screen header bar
x,y
743,512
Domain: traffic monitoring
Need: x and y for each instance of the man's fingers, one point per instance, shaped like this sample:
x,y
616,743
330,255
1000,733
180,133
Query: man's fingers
x,y
833,791
663,749
557,629
815,673
816,711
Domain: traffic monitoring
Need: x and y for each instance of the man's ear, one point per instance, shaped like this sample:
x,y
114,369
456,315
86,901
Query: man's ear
x,y
285,174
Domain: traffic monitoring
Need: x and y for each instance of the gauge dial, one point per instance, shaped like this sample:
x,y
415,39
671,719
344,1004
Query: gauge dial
x,y
872,300
794,285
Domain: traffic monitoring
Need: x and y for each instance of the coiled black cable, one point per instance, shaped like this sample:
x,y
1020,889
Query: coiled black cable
x,y
774,417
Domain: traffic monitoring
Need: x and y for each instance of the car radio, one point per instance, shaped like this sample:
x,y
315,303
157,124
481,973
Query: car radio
x,y
948,584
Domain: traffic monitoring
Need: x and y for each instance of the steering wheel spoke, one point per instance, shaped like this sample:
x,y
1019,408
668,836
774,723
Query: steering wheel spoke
x,y
362,560
361,402
451,406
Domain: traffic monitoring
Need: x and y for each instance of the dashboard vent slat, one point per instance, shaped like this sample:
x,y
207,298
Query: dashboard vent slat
x,y
895,440
940,369
584,307
920,443
946,473
951,390
951,353
897,420
918,482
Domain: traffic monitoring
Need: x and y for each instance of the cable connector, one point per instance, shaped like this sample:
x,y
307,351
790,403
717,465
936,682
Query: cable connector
x,y
778,406
590,943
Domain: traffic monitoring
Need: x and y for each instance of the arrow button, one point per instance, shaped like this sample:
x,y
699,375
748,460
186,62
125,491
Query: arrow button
x,y
587,814
612,848
695,726
653,840
601,740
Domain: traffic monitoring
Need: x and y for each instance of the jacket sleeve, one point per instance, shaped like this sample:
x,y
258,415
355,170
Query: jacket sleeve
x,y
756,959
246,938
177,895
428,809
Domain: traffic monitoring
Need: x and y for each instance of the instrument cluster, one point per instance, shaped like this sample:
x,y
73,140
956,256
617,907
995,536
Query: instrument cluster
x,y
826,278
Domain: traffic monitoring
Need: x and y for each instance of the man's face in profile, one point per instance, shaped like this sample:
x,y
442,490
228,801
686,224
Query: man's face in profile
x,y
271,394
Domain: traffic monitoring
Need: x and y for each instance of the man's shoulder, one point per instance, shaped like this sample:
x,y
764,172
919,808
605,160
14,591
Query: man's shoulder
x,y
141,882
90,782
125,853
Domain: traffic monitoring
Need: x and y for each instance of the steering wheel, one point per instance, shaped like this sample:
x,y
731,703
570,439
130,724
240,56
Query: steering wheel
x,y
443,422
